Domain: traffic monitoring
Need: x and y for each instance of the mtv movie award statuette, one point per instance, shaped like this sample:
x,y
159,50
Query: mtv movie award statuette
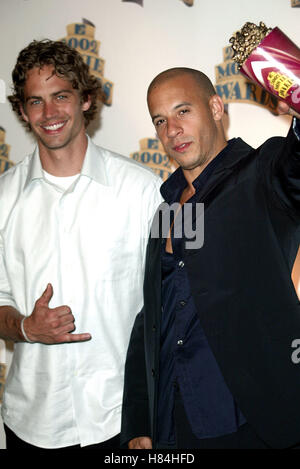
x,y
269,58
233,87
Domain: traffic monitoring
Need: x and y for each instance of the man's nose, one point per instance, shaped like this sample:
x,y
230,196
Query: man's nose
x,y
174,128
49,109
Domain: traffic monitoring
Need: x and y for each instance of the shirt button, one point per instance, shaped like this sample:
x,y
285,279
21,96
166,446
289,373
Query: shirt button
x,y
180,342
181,264
182,303
153,372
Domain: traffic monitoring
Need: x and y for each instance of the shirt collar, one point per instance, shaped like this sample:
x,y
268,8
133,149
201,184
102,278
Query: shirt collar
x,y
93,165
174,185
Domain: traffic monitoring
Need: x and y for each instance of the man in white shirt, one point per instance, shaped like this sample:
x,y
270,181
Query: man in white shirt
x,y
74,222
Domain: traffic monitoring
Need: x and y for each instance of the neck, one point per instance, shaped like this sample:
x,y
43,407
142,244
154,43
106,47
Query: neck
x,y
187,193
65,161
192,174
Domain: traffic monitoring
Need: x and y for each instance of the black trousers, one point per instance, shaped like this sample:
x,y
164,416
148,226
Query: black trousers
x,y
14,442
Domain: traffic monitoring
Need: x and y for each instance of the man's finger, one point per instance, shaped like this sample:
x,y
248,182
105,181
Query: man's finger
x,y
76,337
47,295
61,310
68,337
284,108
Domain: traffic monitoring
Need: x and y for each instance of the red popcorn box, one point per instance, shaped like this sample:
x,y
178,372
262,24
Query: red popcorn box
x,y
274,64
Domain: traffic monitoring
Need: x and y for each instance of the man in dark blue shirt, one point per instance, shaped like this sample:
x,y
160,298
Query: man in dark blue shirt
x,y
209,361
186,360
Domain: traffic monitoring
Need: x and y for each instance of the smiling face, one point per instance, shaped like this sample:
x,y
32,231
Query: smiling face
x,y
187,122
53,109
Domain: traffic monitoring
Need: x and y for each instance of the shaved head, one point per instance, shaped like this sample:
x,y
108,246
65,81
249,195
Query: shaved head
x,y
187,115
205,85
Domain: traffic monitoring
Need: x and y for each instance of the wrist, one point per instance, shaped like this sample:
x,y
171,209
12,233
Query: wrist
x,y
25,336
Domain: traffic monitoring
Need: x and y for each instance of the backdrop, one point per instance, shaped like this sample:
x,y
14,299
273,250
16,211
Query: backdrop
x,y
127,43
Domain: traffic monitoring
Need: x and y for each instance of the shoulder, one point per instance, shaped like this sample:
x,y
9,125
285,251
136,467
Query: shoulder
x,y
12,182
274,149
276,143
15,173
123,168
272,142
243,155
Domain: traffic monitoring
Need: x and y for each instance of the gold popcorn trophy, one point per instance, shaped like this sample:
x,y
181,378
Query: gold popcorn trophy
x,y
270,59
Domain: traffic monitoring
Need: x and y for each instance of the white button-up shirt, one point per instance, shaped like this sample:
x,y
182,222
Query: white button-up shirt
x,y
89,242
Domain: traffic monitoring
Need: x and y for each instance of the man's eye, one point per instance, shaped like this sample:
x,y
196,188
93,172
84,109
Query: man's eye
x,y
159,122
183,111
61,97
34,102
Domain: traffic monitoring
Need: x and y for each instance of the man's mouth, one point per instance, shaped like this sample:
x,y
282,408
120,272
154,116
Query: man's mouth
x,y
182,147
53,127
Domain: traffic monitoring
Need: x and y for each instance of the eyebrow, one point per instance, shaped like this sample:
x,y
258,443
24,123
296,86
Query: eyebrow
x,y
185,103
53,94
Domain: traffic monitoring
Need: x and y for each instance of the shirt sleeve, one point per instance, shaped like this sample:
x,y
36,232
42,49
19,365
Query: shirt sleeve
x,y
285,174
135,409
6,297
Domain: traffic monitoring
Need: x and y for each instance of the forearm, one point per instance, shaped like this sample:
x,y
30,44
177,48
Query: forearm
x,y
280,170
10,324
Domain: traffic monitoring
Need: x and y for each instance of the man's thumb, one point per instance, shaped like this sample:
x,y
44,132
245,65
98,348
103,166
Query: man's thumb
x,y
47,295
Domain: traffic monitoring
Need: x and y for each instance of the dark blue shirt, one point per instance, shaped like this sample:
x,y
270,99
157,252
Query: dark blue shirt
x,y
186,359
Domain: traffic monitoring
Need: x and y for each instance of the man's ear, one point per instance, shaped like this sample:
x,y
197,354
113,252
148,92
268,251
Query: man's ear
x,y
217,107
86,104
23,113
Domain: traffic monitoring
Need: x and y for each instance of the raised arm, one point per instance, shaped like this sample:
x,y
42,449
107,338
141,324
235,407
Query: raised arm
x,y
280,166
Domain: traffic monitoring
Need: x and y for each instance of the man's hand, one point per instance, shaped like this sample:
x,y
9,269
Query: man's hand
x,y
283,108
51,325
142,442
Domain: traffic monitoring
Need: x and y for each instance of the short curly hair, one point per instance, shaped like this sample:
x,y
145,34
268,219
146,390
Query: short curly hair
x,y
67,64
